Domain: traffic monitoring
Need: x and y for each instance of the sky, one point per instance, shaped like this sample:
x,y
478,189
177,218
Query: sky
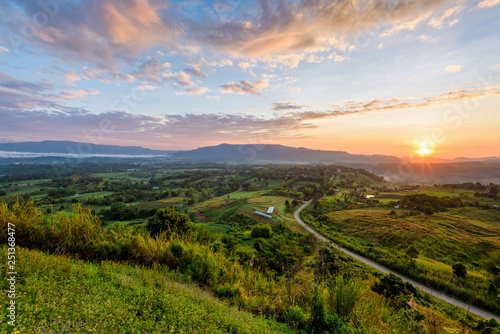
x,y
394,77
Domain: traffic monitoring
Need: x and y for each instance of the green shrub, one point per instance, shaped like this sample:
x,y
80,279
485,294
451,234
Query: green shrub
x,y
262,231
346,293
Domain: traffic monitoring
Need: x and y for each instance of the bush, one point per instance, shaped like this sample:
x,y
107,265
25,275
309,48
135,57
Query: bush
x,y
262,231
296,317
170,221
459,270
345,295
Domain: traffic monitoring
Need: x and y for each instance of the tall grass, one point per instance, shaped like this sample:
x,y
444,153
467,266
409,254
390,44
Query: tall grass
x,y
344,295
294,299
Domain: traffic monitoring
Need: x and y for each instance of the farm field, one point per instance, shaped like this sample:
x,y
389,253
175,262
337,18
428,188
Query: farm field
x,y
356,209
384,232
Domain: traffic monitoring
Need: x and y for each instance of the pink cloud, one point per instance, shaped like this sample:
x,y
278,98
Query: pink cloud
x,y
80,94
245,87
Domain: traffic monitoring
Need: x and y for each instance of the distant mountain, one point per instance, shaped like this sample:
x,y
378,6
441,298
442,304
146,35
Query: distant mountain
x,y
267,153
223,153
487,159
71,147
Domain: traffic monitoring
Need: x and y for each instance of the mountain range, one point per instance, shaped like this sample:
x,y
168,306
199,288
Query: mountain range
x,y
223,153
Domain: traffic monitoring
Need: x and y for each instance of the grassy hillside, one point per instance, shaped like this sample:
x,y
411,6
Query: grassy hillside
x,y
60,295
311,288
469,236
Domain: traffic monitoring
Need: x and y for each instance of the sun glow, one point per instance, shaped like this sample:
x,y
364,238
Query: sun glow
x,y
424,148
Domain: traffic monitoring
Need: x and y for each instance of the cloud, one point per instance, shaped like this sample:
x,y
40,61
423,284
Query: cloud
x,y
71,76
3,50
453,68
287,105
80,94
148,87
407,25
205,63
291,60
179,78
428,39
196,72
215,98
336,57
15,93
496,67
193,91
8,81
177,129
95,31
488,3
437,22
150,70
114,31
245,87
244,65
290,27
315,59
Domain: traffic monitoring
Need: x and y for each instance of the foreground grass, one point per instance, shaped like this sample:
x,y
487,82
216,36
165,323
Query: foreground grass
x,y
105,297
61,295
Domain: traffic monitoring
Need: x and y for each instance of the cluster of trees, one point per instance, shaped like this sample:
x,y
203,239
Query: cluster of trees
x,y
289,207
465,185
430,204
288,192
121,212
284,253
492,193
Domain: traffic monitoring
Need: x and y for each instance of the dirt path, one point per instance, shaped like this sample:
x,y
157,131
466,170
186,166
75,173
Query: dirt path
x,y
432,292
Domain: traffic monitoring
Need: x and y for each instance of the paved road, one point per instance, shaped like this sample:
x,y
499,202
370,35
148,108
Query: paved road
x,y
372,264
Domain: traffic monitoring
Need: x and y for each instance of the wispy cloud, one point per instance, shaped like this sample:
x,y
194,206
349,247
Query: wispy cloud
x,y
111,30
428,39
179,78
196,72
209,128
15,93
287,105
3,50
80,94
193,91
245,87
150,70
406,25
437,22
148,87
453,68
488,3
336,57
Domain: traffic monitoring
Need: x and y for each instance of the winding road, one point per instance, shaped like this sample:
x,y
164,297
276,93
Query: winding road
x,y
432,292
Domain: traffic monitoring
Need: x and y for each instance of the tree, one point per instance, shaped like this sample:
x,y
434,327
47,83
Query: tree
x,y
428,210
295,202
262,231
169,220
412,253
459,270
288,208
394,289
494,190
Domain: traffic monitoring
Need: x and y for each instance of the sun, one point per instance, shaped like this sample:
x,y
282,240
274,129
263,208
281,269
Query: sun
x,y
424,148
